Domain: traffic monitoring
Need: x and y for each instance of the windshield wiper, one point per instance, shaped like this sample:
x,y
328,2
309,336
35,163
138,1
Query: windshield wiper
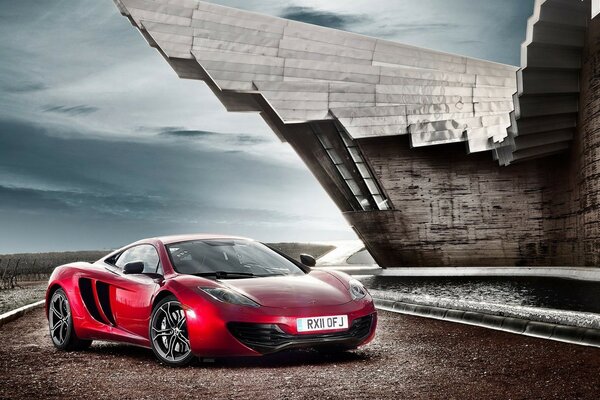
x,y
225,274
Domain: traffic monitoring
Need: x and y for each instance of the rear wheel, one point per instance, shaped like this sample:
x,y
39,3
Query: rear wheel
x,y
169,334
60,322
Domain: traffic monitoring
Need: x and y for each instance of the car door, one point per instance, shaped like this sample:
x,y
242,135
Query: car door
x,y
132,294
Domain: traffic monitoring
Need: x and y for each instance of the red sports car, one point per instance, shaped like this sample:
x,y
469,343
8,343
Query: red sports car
x,y
207,296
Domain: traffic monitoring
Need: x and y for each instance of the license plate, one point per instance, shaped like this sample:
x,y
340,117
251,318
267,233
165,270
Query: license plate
x,y
322,323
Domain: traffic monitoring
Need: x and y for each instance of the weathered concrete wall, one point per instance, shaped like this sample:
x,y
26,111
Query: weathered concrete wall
x,y
572,196
588,147
452,209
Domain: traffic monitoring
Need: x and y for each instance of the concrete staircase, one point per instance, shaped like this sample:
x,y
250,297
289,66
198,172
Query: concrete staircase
x,y
547,99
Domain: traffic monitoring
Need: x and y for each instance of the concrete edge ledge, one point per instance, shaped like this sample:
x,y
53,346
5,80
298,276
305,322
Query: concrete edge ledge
x,y
19,312
577,273
591,274
544,330
352,269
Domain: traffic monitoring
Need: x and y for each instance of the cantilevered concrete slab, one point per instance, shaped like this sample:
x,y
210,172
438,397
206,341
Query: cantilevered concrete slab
x,y
375,87
372,87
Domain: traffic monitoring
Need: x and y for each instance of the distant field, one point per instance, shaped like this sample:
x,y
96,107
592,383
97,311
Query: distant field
x,y
38,266
16,268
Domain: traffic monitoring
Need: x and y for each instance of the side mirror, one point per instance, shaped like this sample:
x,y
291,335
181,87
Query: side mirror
x,y
308,260
132,268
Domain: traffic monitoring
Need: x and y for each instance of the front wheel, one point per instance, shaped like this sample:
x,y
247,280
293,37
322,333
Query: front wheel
x,y
168,333
60,322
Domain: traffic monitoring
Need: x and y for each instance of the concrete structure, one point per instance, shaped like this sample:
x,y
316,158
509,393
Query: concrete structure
x,y
384,126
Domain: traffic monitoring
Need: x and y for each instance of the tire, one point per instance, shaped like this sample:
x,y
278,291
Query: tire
x,y
168,333
60,324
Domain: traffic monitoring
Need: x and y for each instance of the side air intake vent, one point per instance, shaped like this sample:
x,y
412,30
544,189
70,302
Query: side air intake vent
x,y
87,294
102,289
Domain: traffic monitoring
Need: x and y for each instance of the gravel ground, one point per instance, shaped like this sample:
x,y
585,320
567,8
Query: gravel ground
x,y
411,357
15,298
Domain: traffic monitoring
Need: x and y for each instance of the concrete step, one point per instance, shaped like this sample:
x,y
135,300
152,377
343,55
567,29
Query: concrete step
x,y
537,106
554,34
545,56
544,81
543,139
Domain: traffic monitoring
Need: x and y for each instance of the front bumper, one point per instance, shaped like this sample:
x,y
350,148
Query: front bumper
x,y
270,338
221,330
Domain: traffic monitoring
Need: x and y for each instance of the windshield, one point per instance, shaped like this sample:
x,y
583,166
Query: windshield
x,y
229,258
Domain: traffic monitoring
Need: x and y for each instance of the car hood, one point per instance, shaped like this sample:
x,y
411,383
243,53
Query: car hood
x,y
315,289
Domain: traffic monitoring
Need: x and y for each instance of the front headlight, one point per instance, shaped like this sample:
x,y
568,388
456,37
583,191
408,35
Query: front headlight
x,y
357,290
229,296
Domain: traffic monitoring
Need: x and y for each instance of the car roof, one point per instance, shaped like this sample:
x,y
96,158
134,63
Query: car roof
x,y
199,236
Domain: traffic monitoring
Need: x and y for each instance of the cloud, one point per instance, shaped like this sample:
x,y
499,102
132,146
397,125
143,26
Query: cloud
x,y
470,42
404,29
24,87
252,139
141,188
28,199
179,133
71,111
127,206
215,136
44,201
324,18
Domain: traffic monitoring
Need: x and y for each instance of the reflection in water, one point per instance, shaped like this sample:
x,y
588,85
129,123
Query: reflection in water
x,y
555,293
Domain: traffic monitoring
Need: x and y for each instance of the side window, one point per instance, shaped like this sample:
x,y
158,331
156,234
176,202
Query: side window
x,y
126,257
145,253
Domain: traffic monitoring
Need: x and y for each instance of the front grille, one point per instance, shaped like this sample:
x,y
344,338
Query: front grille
x,y
268,338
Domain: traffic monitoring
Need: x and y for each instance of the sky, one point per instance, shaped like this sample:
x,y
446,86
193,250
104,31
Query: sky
x,y
101,144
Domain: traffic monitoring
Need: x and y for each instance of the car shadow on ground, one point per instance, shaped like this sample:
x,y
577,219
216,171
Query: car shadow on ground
x,y
292,358
122,350
289,358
